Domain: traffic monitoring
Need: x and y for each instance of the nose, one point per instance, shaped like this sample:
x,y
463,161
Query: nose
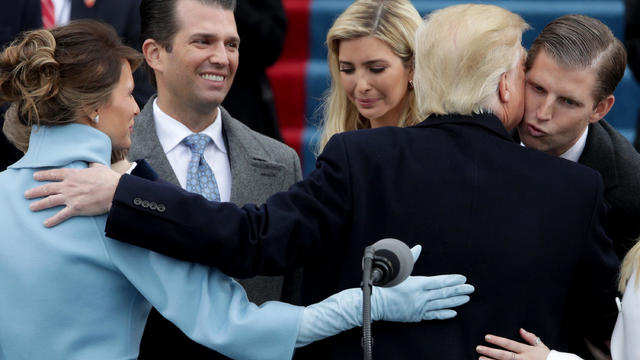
x,y
362,84
544,111
218,54
136,108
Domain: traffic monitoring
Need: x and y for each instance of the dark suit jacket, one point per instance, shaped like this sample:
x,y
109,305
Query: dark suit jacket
x,y
524,227
611,154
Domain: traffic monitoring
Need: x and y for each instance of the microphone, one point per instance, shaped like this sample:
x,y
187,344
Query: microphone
x,y
386,263
392,262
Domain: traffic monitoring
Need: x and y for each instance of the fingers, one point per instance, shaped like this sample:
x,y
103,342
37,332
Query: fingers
x,y
43,190
440,304
48,202
439,314
531,338
441,281
59,217
512,346
495,353
415,251
51,175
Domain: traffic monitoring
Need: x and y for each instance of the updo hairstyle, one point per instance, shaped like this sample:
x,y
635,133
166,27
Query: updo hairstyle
x,y
52,77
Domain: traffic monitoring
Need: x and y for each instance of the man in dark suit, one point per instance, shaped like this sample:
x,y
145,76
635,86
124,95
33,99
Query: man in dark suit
x,y
573,67
525,227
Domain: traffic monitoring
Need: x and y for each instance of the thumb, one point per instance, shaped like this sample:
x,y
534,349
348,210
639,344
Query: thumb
x,y
415,251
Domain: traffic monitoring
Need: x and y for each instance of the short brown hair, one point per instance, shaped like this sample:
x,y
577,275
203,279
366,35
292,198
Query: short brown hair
x,y
582,42
50,76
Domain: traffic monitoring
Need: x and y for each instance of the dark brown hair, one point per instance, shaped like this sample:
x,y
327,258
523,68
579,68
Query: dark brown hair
x,y
582,42
51,76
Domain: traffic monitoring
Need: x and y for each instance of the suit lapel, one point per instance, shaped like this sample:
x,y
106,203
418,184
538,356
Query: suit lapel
x,y
254,175
146,145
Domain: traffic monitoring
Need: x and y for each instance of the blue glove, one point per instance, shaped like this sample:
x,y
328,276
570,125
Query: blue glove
x,y
417,298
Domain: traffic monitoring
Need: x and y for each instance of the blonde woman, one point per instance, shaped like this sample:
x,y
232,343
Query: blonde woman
x,y
371,57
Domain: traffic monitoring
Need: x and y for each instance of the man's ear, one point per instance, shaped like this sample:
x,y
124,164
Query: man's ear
x,y
602,108
504,92
152,50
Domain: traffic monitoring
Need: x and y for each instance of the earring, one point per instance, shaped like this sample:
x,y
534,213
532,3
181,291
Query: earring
x,y
410,84
96,119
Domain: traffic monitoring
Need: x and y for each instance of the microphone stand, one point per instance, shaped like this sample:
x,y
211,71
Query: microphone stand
x,y
367,285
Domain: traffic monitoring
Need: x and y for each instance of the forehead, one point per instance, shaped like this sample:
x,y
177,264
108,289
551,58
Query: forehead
x,y
126,78
570,81
193,17
364,49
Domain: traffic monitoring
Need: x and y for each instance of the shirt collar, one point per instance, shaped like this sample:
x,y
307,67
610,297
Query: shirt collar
x,y
171,132
576,150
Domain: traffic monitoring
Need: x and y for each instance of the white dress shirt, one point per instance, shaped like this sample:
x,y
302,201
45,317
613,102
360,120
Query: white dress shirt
x,y
574,152
171,132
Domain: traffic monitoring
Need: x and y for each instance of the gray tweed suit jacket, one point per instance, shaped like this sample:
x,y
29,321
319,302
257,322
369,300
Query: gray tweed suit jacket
x,y
260,167
608,152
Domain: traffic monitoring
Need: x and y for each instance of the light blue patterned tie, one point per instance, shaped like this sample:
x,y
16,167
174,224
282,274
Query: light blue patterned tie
x,y
200,177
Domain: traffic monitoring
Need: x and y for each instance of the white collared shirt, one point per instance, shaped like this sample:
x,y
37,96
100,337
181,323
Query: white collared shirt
x,y
62,11
574,152
171,132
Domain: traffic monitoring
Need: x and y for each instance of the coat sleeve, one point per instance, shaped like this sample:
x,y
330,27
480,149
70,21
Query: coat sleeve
x,y
208,306
269,239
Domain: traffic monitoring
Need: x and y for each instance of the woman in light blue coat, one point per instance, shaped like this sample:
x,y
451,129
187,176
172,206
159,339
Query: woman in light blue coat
x,y
71,293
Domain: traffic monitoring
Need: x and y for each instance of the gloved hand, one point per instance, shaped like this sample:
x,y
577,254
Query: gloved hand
x,y
417,298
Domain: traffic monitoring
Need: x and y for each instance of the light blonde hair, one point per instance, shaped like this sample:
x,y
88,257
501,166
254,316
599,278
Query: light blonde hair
x,y
630,264
392,21
461,53
51,76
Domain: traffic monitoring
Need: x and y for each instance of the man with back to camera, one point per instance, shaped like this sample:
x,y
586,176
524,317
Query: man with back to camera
x,y
573,68
479,202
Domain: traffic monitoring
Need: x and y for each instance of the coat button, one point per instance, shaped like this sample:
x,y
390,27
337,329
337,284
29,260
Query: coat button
x,y
137,201
153,206
161,208
145,203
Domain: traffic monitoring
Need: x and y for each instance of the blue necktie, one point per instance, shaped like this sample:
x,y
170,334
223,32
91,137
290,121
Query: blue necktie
x,y
200,177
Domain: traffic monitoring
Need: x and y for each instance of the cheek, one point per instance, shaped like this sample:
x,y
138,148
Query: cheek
x,y
348,85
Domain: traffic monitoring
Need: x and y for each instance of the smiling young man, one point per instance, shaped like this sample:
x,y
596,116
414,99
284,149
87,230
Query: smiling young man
x,y
192,50
573,68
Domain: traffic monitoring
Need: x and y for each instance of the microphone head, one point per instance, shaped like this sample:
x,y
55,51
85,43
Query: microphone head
x,y
395,259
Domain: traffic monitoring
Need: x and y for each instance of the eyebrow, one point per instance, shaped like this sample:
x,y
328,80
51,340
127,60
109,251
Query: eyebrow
x,y
214,36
